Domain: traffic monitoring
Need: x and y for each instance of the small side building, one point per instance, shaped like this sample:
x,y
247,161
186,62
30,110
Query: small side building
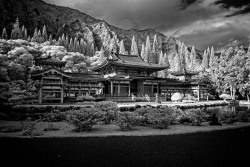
x,y
57,86
186,85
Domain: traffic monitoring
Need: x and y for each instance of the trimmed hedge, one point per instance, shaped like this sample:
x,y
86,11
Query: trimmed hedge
x,y
127,120
109,110
235,116
84,119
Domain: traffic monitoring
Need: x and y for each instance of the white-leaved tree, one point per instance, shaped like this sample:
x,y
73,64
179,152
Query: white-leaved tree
x,y
148,50
134,48
98,58
122,49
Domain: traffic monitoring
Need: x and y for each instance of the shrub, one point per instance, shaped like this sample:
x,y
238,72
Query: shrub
x,y
10,129
54,116
174,114
243,115
198,116
137,106
127,120
229,117
85,98
144,112
170,113
109,110
193,116
159,118
28,126
84,119
51,127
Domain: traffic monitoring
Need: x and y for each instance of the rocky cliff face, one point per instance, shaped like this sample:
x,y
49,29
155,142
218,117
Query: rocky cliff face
x,y
63,20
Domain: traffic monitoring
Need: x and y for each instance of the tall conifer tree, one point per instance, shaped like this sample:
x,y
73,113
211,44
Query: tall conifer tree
x,y
16,32
4,34
82,46
155,51
71,45
113,45
193,61
122,49
143,51
50,38
45,36
211,60
134,48
148,52
205,61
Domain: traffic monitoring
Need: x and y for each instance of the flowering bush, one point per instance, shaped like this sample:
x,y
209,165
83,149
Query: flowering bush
x,y
85,98
84,118
229,117
194,116
234,116
127,120
54,116
243,115
170,113
159,119
109,110
28,126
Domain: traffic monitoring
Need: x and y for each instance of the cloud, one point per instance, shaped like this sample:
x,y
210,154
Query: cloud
x,y
189,20
220,33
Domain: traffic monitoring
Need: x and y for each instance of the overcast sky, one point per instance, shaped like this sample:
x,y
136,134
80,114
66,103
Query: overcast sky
x,y
201,23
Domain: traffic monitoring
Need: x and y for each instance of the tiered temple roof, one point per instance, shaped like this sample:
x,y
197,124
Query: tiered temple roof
x,y
128,61
90,76
49,62
183,73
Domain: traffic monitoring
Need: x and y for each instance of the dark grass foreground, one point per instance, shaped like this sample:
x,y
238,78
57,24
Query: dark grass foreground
x,y
218,148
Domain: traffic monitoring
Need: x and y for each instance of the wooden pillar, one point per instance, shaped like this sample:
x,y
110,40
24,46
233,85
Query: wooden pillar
x,y
111,91
207,94
119,89
198,92
158,88
80,89
62,95
152,88
129,89
40,95
89,87
69,90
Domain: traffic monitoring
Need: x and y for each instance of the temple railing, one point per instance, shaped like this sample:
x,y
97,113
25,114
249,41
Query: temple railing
x,y
129,95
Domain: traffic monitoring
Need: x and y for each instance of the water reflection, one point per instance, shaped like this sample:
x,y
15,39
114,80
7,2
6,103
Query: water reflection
x,y
218,110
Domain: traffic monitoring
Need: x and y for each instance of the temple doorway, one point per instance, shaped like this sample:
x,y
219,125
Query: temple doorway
x,y
133,87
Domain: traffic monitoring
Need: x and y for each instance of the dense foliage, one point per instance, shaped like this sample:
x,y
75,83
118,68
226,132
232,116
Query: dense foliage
x,y
162,117
84,119
230,71
109,110
239,115
127,120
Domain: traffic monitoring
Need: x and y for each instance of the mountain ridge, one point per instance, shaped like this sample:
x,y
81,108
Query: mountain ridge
x,y
96,33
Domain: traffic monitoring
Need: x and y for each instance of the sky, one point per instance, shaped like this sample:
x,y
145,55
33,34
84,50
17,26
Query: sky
x,y
202,23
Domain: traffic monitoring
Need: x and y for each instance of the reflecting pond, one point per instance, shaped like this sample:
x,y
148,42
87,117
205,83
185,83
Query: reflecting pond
x,y
218,110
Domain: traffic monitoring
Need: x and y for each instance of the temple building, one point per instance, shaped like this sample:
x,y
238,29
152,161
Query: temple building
x,y
129,74
118,78
55,85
